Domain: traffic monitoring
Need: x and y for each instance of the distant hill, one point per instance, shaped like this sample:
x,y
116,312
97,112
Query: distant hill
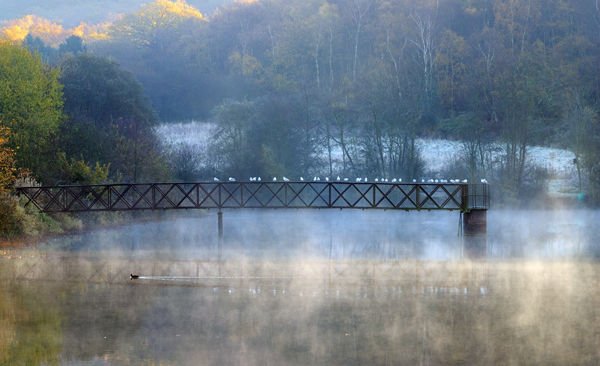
x,y
71,13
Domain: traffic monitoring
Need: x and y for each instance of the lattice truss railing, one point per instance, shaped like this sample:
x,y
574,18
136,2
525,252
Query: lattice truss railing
x,y
343,195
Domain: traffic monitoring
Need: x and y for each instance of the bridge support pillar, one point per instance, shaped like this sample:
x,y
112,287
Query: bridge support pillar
x,y
220,239
220,225
475,233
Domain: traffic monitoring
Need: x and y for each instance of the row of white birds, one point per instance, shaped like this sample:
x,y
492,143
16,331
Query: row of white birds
x,y
360,180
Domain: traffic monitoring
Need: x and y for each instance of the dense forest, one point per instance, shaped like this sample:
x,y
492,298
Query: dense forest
x,y
288,82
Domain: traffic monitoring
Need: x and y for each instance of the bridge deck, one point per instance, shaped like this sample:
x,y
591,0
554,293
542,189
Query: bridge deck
x,y
219,195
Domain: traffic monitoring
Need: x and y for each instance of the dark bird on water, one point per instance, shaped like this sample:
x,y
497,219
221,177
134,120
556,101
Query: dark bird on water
x,y
133,277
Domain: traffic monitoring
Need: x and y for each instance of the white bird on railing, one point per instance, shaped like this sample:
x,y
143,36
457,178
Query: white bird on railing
x,y
399,180
358,180
251,179
346,179
326,179
394,180
285,179
414,181
366,179
484,181
376,180
465,181
301,179
274,179
338,178
314,179
231,179
258,179
215,179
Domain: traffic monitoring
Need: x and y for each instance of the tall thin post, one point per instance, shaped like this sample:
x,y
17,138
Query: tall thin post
x,y
220,239
220,225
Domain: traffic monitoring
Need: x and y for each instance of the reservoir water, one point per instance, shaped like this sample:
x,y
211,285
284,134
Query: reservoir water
x,y
307,288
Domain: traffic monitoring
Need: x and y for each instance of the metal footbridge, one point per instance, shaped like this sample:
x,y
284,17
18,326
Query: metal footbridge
x,y
272,195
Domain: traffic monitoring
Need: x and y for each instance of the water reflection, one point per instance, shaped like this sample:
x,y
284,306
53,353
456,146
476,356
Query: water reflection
x,y
410,313
388,235
291,294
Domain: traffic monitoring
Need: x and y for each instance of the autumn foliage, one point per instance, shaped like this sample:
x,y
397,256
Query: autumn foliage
x,y
7,161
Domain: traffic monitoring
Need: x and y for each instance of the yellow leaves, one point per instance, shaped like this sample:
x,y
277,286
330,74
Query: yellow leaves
x,y
52,33
18,29
91,31
180,7
161,12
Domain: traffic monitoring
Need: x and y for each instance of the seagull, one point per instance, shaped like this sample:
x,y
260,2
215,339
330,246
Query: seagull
x,y
366,179
274,179
231,179
215,179
301,179
346,179
414,181
465,181
358,180
326,179
376,180
258,179
285,179
338,178
252,179
484,181
399,180
394,180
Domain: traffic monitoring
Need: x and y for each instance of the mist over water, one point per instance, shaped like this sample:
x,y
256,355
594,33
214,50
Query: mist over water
x,y
303,287
345,235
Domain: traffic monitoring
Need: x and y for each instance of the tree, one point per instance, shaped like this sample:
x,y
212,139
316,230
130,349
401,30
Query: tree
x,y
72,46
7,161
31,106
109,119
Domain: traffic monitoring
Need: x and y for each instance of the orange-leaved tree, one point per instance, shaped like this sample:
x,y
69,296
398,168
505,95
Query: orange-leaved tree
x,y
7,161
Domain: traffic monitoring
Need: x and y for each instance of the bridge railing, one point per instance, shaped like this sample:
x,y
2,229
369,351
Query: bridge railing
x,y
219,195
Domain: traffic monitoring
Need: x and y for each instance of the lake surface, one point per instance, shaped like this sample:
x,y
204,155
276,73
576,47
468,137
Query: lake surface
x,y
307,288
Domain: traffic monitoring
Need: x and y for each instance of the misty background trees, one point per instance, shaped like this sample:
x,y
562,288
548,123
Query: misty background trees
x,y
289,84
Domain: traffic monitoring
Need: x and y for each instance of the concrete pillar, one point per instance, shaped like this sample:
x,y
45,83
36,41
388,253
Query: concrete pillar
x,y
220,225
475,233
220,240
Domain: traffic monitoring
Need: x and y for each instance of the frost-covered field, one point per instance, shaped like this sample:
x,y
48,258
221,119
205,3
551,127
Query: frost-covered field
x,y
437,154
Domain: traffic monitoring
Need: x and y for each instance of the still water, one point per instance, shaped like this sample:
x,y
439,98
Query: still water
x,y
307,288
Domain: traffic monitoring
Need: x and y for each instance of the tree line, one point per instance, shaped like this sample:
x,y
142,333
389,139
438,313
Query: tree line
x,y
288,83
